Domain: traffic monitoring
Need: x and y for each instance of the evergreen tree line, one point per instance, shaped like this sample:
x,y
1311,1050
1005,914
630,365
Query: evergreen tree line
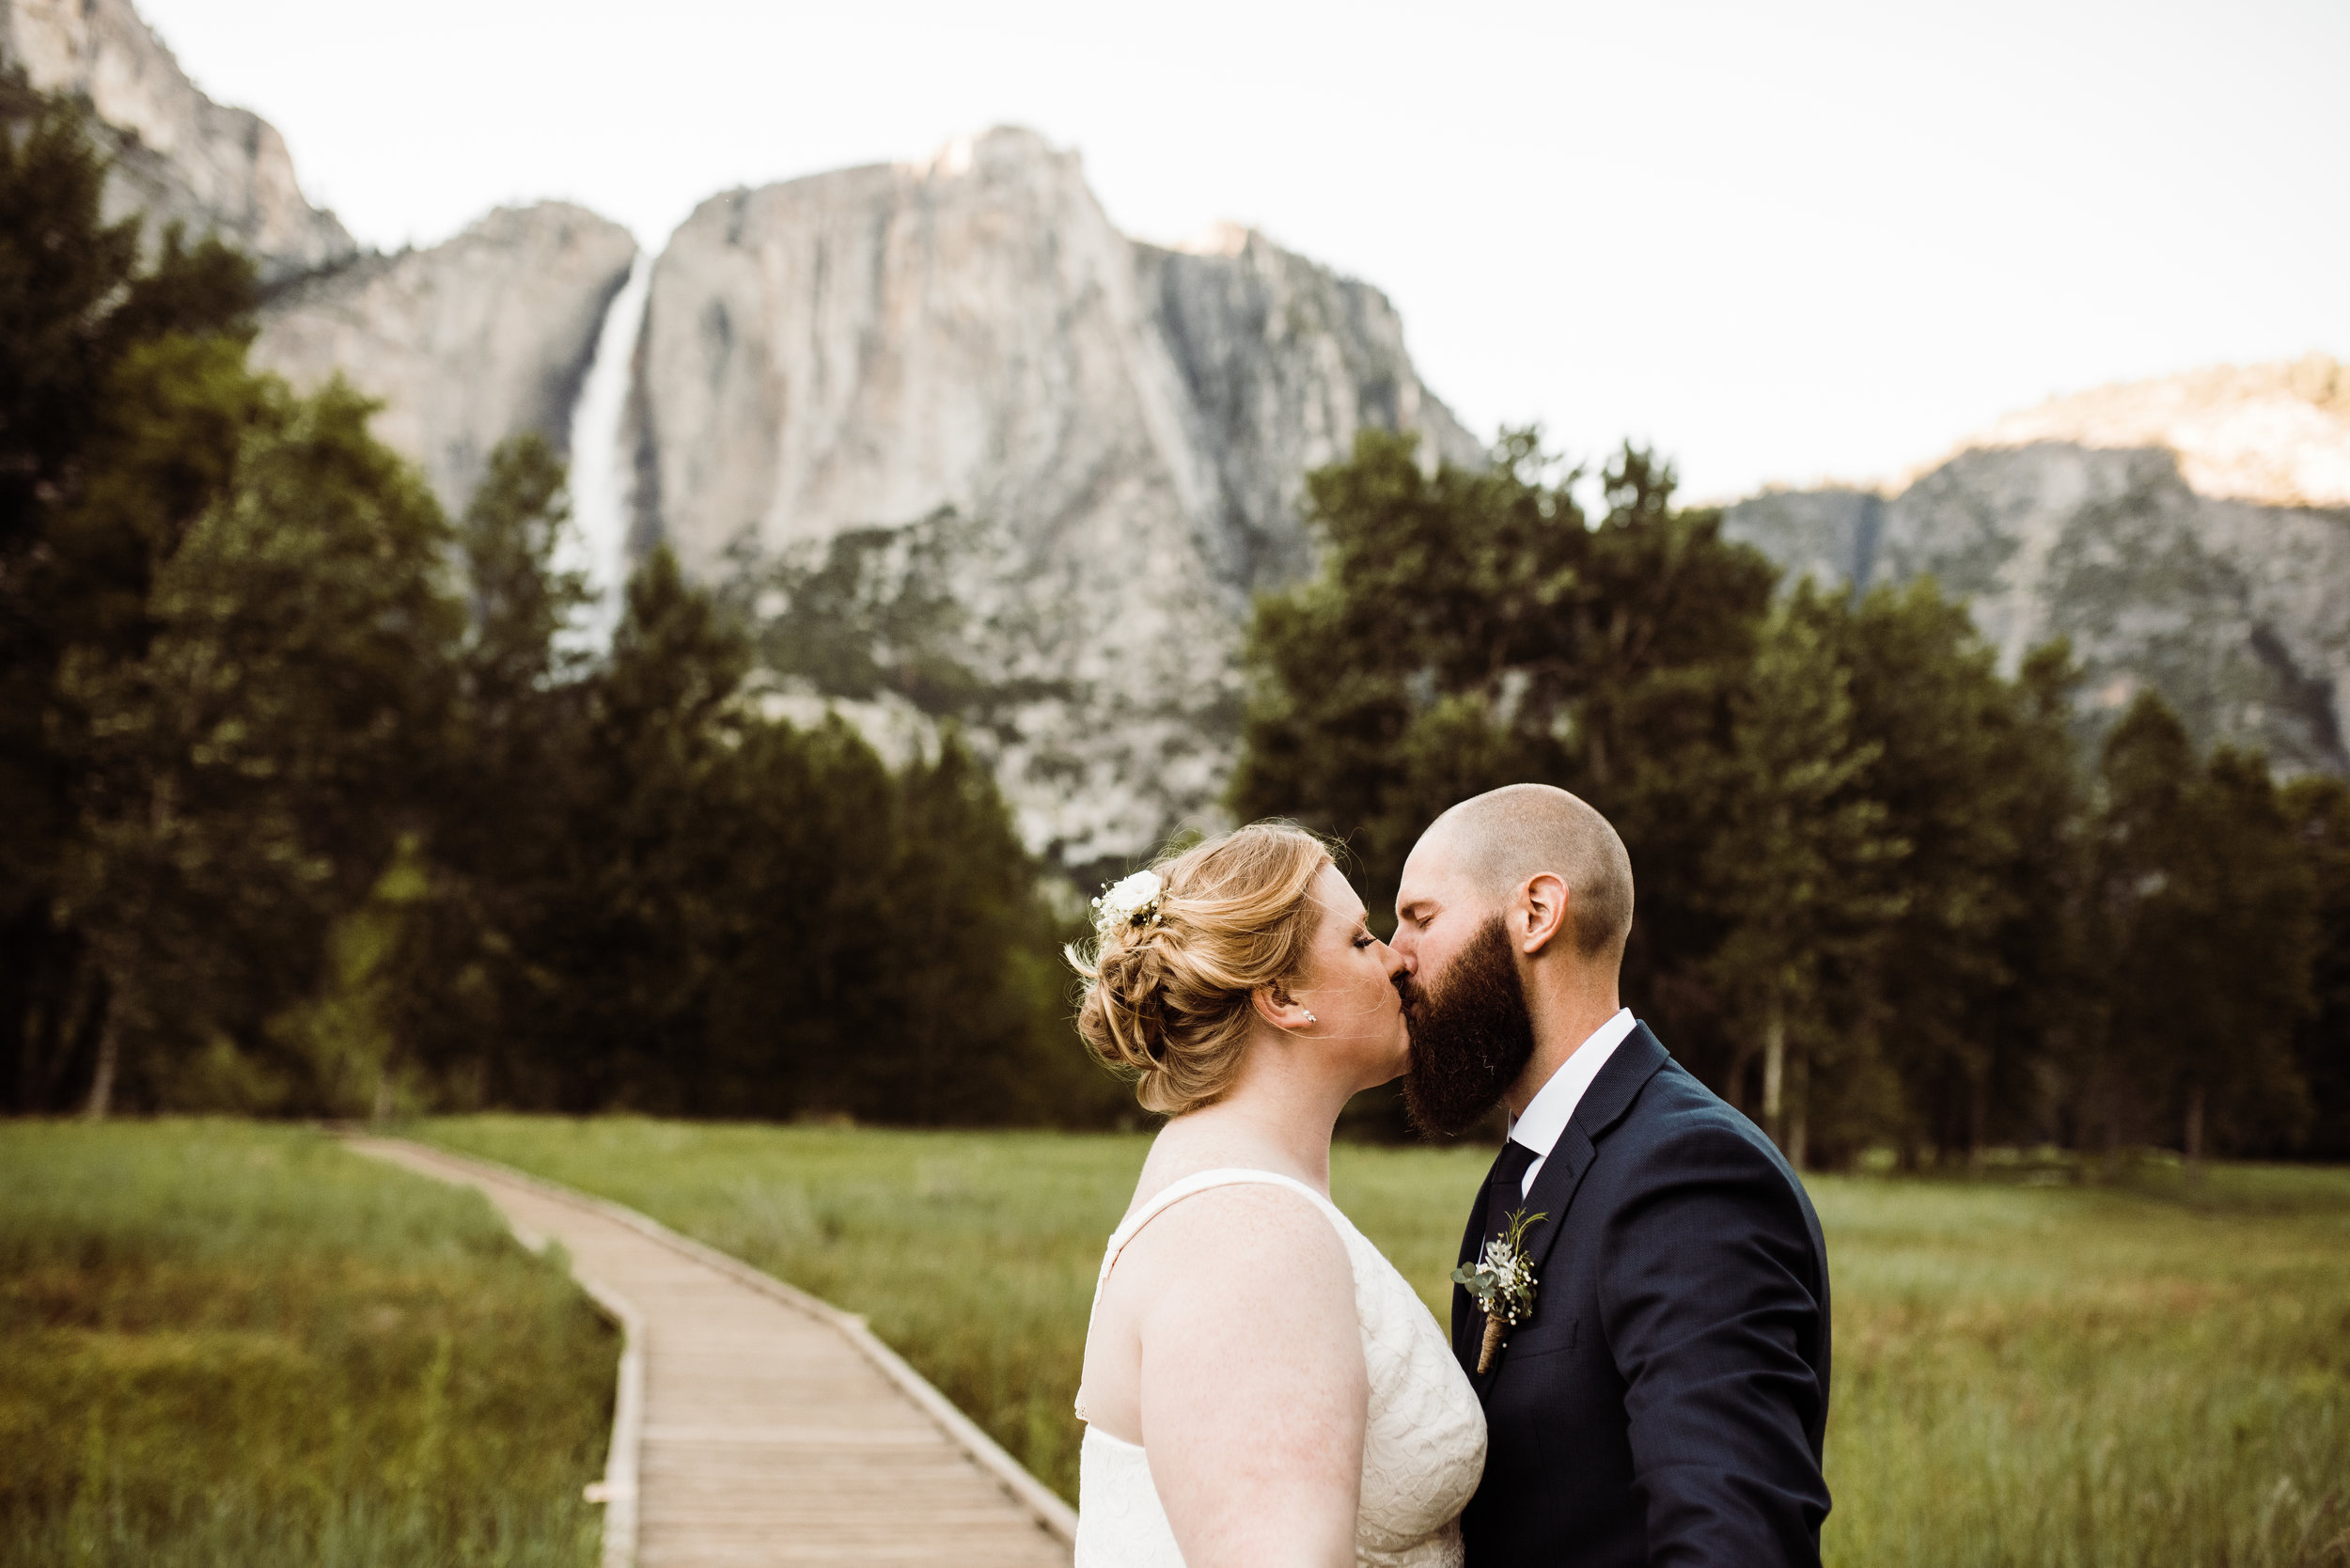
x,y
311,800
1887,896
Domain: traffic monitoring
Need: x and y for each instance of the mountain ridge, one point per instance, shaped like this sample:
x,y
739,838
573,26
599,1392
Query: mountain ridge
x,y
2190,532
178,156
1094,448
484,336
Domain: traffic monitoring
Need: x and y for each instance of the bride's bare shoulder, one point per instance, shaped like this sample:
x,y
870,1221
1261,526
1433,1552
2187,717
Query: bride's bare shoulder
x,y
1232,1240
1233,1223
1242,1299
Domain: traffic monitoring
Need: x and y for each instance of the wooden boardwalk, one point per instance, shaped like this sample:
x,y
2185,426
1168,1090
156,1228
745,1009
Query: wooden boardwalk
x,y
770,1427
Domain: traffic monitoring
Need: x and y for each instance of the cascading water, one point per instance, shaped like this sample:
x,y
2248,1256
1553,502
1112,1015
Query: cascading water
x,y
602,474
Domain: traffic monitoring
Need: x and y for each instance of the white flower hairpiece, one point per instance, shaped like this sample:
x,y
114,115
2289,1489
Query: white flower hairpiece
x,y
1134,901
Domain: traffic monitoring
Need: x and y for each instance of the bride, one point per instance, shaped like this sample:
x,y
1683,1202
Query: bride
x,y
1260,1386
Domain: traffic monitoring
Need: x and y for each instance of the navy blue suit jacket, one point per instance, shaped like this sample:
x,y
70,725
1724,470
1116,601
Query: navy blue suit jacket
x,y
1667,1402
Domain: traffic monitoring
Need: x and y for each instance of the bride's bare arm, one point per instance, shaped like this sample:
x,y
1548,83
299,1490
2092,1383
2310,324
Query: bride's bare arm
x,y
1252,1391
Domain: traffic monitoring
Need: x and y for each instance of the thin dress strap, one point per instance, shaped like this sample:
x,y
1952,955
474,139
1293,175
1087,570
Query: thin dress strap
x,y
1174,1193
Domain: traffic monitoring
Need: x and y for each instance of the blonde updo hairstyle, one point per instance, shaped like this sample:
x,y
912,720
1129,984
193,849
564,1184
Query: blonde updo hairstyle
x,y
1168,1001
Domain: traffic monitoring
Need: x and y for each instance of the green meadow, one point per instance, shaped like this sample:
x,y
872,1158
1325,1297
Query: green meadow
x,y
2086,1374
230,1345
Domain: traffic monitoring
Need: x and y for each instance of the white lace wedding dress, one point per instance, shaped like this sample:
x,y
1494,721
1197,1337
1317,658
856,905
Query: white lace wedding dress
x,y
1423,1445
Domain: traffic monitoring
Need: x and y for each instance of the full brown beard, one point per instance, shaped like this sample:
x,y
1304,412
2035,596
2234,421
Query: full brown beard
x,y
1471,1035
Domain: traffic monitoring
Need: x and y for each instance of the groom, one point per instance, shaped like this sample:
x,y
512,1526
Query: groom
x,y
1665,1400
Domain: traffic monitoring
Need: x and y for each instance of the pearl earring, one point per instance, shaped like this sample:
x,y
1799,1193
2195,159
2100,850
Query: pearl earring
x,y
1311,1019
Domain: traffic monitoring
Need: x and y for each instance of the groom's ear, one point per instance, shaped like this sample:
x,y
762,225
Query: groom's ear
x,y
1541,913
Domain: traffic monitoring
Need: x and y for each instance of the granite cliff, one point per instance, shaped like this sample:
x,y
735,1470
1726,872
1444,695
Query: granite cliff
x,y
972,455
2190,533
178,156
466,342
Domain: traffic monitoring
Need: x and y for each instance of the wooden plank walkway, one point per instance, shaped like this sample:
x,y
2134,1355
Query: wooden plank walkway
x,y
775,1429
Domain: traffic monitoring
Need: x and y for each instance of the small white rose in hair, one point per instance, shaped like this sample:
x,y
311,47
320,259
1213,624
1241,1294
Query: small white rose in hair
x,y
1132,902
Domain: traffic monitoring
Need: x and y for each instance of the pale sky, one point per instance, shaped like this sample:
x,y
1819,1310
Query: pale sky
x,y
1779,241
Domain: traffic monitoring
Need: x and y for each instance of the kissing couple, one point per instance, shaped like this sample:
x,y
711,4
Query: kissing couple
x,y
1637,1371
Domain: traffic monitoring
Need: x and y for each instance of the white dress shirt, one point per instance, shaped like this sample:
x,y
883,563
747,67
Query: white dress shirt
x,y
1553,1106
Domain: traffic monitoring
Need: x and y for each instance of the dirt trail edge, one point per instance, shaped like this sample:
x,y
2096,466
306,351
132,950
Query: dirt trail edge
x,y
770,1428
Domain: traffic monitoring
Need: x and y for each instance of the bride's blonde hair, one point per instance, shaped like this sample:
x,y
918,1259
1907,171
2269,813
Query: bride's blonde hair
x,y
1167,1000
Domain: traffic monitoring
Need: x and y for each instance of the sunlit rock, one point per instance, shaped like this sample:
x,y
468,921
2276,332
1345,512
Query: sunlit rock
x,y
2191,534
969,447
483,337
178,155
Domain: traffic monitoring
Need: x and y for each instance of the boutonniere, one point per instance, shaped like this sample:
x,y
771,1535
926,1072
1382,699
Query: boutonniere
x,y
1502,1283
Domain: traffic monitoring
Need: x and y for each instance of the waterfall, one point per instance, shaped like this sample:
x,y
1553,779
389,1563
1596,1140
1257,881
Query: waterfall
x,y
604,475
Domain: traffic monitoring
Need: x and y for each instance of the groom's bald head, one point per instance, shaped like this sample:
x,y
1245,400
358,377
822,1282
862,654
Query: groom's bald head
x,y
1499,840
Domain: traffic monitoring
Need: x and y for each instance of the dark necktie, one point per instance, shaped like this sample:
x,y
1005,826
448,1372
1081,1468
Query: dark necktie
x,y
1509,1176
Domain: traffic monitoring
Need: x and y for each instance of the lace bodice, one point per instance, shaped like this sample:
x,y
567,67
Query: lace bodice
x,y
1423,1441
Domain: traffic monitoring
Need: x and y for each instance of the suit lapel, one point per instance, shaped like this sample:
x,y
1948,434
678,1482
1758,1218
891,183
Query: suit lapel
x,y
1634,1063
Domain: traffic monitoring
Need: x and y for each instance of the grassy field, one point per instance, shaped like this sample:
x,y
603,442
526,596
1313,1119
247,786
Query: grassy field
x,y
2081,1376
239,1346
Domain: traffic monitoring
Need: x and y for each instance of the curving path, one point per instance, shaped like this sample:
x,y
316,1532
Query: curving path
x,y
758,1425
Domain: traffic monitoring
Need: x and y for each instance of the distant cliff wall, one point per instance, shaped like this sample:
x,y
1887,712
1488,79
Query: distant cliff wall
x,y
483,337
466,342
1079,454
2191,534
179,156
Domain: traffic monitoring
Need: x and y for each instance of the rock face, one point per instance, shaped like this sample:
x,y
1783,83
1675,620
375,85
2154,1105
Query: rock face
x,y
483,337
178,155
466,343
2278,434
977,456
2191,534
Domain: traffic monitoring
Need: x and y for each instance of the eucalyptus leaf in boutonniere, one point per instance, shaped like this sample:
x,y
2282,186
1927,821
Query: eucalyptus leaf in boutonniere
x,y
1502,1283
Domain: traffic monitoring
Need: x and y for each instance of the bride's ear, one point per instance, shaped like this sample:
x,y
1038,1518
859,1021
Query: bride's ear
x,y
1276,1006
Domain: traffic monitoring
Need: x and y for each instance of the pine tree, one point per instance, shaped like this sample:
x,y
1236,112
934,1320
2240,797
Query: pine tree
x,y
1802,871
807,1011
2205,915
983,1028
2238,1086
651,829
253,771
100,355
1975,774
2318,810
451,971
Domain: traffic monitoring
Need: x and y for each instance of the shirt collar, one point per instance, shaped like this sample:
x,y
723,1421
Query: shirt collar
x,y
1553,1106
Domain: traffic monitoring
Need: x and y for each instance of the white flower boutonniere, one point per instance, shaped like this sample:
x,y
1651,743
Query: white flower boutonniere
x,y
1134,901
1502,1283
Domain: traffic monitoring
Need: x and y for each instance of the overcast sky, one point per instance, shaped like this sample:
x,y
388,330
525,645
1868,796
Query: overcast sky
x,y
1780,241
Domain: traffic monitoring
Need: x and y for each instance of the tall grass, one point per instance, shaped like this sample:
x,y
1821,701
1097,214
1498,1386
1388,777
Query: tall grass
x,y
228,1344
2090,1377
2093,1377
